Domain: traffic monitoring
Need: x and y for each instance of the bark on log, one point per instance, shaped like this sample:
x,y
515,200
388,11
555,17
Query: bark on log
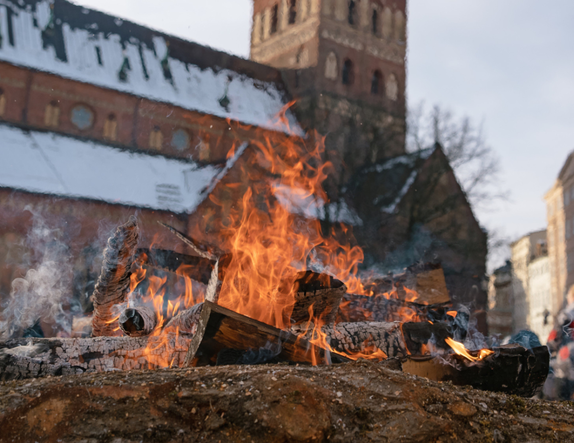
x,y
113,283
378,308
352,338
186,321
220,329
359,402
38,357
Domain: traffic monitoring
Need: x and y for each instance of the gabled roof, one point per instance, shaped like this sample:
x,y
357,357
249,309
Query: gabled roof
x,y
47,163
61,38
385,184
568,168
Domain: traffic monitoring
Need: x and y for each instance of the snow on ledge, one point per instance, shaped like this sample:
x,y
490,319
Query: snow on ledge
x,y
47,163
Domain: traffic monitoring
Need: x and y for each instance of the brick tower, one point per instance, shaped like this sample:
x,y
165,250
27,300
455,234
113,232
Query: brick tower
x,y
344,62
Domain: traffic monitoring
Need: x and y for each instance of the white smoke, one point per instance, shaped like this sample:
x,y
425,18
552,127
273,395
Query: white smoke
x,y
45,289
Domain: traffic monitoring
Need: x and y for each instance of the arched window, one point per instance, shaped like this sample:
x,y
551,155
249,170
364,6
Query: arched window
x,y
376,82
180,140
387,22
2,102
52,114
256,29
262,35
274,19
156,138
351,16
111,128
348,74
400,26
375,22
331,69
392,88
82,117
292,11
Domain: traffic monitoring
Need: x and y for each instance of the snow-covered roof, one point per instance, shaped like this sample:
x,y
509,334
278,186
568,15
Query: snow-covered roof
x,y
59,165
384,185
92,47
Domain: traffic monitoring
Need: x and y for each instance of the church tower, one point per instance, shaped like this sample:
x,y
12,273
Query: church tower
x,y
344,62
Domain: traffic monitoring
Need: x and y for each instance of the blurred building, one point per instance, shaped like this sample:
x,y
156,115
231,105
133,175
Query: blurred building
x,y
523,251
540,295
101,117
520,292
501,302
560,217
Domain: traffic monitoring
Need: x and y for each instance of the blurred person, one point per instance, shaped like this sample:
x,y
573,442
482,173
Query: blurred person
x,y
560,382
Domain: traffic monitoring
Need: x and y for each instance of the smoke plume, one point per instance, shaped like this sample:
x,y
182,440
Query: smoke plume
x,y
44,291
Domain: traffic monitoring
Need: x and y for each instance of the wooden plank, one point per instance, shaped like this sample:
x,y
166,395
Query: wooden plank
x,y
219,329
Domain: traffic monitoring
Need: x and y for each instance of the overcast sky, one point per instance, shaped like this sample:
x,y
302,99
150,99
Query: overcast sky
x,y
508,64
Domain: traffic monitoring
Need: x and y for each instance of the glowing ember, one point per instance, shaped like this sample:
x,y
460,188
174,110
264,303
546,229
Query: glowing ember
x,y
452,313
461,350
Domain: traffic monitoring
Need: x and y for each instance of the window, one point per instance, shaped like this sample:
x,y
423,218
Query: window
x,y
52,114
111,128
156,139
82,117
376,82
400,32
352,12
180,140
348,72
392,88
292,11
262,28
274,19
331,69
2,102
375,22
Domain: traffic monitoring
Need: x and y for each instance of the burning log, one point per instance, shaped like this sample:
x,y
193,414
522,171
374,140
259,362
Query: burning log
x,y
186,321
512,369
420,293
114,280
39,357
138,321
319,293
220,329
194,267
358,338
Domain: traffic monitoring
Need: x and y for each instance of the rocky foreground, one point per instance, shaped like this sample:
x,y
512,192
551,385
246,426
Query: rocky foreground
x,y
354,402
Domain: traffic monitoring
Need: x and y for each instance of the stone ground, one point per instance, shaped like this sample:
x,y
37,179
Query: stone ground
x,y
352,402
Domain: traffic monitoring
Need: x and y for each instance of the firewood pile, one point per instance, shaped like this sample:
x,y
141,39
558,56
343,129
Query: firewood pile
x,y
404,318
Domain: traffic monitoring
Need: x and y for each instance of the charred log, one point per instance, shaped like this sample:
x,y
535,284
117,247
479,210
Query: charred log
x,y
316,294
219,328
138,321
39,357
113,283
511,369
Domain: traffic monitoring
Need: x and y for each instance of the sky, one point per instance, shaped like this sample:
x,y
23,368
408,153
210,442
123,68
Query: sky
x,y
506,64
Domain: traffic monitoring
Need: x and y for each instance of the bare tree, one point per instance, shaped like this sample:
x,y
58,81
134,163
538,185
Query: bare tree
x,y
476,165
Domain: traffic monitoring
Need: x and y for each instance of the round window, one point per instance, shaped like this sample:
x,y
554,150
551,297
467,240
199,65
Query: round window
x,y
82,117
180,140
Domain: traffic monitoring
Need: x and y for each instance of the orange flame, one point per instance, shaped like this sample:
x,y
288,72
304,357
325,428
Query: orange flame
x,y
460,349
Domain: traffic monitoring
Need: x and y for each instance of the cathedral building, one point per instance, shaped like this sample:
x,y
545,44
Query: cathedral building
x,y
101,118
